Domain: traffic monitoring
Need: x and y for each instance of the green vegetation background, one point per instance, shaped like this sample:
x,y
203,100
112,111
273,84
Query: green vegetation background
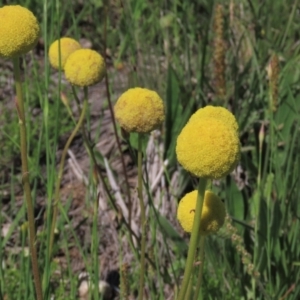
x,y
168,46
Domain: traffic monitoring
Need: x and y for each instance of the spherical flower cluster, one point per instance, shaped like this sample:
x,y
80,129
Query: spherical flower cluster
x,y
67,46
84,67
208,147
212,217
139,110
219,113
19,31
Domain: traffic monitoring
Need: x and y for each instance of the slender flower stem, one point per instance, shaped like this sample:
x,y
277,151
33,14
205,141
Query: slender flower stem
x,y
95,238
189,289
94,247
112,202
26,183
60,174
99,173
114,121
143,218
201,258
200,272
193,241
106,189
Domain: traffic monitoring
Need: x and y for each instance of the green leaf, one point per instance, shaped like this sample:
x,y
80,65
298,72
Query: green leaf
x,y
168,230
133,139
235,201
176,117
275,222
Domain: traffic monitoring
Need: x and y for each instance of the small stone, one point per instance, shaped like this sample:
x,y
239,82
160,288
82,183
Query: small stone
x,y
83,290
105,289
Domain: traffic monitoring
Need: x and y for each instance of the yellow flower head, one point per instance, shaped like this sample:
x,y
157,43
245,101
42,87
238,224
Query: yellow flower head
x,y
212,217
139,110
216,112
19,31
208,148
84,67
67,46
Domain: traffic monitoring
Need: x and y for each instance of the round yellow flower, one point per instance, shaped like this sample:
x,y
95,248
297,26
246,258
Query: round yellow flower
x,y
19,31
67,46
208,148
84,67
212,217
139,110
216,112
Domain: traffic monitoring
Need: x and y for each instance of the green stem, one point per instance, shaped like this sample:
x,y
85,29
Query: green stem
x,y
94,248
256,202
26,183
60,174
193,241
106,9
200,274
112,202
189,289
99,173
95,238
143,218
268,200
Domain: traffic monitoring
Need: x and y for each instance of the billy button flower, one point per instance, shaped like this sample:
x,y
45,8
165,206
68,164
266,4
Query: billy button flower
x,y
67,47
19,31
212,216
216,112
84,67
208,148
139,110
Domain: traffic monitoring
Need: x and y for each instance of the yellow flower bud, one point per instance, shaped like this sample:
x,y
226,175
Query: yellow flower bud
x,y
67,46
84,67
139,110
212,217
19,31
208,148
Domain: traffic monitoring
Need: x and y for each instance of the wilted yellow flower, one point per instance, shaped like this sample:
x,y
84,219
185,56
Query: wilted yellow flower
x,y
216,112
19,31
208,148
84,67
139,110
212,217
67,46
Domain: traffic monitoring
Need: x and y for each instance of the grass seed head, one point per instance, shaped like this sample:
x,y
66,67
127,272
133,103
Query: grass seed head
x,y
219,52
